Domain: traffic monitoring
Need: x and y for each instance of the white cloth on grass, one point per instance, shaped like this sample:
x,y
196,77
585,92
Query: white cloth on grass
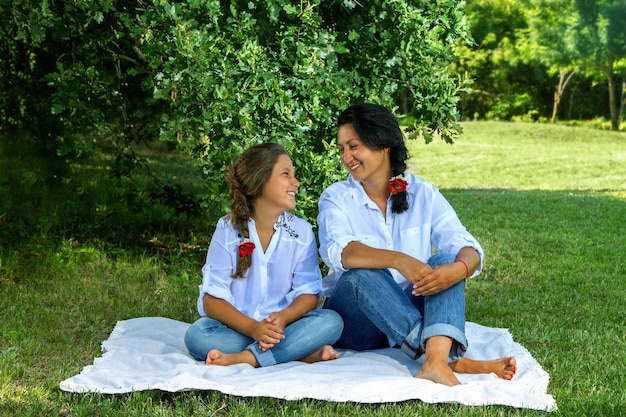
x,y
149,354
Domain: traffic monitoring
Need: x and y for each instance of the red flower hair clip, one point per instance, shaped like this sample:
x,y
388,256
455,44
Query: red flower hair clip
x,y
397,185
246,247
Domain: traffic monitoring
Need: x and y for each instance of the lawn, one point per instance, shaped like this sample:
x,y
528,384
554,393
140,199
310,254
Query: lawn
x,y
80,250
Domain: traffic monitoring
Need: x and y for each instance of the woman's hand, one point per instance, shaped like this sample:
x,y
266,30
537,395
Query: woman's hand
x,y
425,279
428,281
441,278
411,268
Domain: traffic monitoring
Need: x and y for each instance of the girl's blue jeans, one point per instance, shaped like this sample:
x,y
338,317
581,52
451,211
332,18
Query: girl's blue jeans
x,y
376,311
302,337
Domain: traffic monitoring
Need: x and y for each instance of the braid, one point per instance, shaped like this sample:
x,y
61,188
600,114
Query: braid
x,y
239,215
398,156
399,203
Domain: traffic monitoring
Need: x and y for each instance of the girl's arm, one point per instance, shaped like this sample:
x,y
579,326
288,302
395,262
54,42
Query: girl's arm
x,y
470,257
298,308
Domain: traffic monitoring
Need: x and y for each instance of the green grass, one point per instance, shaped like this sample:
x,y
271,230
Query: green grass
x,y
80,251
524,156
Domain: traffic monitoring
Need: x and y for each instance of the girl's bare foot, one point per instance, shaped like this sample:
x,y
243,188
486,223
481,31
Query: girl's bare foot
x,y
504,368
325,353
215,357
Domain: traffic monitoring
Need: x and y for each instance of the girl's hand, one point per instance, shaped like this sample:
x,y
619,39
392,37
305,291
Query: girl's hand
x,y
268,333
277,318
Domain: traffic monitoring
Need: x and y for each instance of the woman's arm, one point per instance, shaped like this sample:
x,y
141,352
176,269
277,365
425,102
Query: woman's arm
x,y
426,280
358,255
469,258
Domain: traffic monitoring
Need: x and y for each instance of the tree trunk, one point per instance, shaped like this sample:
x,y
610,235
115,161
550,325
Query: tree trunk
x,y
564,79
612,95
555,106
622,101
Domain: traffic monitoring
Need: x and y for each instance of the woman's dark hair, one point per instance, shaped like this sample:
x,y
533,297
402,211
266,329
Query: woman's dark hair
x,y
246,177
378,129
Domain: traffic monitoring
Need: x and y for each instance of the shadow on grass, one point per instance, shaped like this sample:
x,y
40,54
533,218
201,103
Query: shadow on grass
x,y
45,200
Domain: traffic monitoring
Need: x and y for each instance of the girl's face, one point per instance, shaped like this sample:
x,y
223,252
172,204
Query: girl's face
x,y
281,188
362,162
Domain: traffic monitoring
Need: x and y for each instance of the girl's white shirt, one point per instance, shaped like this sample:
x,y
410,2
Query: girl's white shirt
x,y
347,214
288,268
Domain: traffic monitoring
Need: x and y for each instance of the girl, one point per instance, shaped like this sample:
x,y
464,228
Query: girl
x,y
261,281
377,233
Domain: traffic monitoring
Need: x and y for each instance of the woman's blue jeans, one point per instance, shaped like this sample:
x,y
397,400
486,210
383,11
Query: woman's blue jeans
x,y
376,311
302,337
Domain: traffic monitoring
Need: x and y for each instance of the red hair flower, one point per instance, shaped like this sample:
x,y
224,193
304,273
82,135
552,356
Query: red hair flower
x,y
397,185
246,247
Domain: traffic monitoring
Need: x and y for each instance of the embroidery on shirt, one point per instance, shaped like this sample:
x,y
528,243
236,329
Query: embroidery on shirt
x,y
283,219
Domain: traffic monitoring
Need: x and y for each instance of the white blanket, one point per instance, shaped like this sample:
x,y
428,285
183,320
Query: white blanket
x,y
149,353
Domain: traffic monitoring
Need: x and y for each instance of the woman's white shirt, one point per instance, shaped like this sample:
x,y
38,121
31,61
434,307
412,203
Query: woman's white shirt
x,y
347,214
288,268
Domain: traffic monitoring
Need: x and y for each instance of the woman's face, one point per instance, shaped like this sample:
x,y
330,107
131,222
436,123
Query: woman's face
x,y
281,188
362,162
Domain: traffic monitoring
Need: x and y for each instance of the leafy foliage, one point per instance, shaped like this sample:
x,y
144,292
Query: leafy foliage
x,y
214,77
246,73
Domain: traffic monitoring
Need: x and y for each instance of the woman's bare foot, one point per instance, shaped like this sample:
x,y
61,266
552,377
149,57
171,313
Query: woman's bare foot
x,y
504,368
439,372
215,357
435,367
325,353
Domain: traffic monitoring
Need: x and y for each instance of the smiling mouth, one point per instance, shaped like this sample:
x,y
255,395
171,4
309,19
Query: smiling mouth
x,y
291,193
353,167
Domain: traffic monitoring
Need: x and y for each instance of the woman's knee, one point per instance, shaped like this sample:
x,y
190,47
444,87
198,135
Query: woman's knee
x,y
328,320
441,258
359,276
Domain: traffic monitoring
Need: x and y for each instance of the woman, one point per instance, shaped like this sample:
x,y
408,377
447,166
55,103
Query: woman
x,y
261,281
377,233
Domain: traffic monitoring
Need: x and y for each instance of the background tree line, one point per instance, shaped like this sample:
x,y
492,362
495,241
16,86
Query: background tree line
x,y
545,59
212,77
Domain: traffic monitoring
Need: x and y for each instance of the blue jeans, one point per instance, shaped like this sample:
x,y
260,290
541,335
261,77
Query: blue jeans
x,y
302,337
376,310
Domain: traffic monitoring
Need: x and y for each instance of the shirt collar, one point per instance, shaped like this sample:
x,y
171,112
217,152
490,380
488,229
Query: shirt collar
x,y
279,222
359,195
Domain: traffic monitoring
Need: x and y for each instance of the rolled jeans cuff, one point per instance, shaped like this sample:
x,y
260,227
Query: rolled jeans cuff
x,y
263,357
412,345
459,345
